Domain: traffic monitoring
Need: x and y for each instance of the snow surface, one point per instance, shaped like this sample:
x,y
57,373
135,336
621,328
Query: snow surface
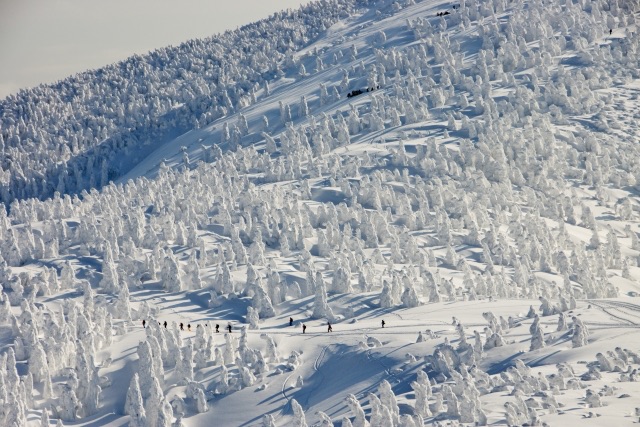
x,y
492,178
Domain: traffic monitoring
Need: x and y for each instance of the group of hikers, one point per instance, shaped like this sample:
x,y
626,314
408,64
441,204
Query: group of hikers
x,y
230,328
182,325
357,92
329,327
304,327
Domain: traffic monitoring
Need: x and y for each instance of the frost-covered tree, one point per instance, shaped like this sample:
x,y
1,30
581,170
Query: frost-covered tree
x,y
243,125
223,384
192,273
321,309
122,307
88,389
38,365
386,296
562,322
592,399
537,336
493,339
201,401
67,276
44,418
134,406
580,335
110,278
388,399
184,365
341,281
380,414
223,282
299,418
422,393
546,307
69,405
452,401
253,318
248,379
268,421
171,275
410,298
146,368
358,412
158,410
229,349
272,348
261,302
325,420
304,108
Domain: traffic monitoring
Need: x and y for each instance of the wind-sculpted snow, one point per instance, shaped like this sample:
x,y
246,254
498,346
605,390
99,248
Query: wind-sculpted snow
x,y
477,192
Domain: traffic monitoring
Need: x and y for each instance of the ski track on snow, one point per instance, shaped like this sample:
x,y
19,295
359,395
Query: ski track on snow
x,y
283,391
316,367
618,309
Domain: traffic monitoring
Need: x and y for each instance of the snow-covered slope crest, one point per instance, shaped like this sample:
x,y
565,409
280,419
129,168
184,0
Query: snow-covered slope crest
x,y
90,128
477,192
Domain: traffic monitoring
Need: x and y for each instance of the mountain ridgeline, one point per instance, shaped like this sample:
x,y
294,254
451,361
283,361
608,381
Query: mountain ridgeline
x,y
88,129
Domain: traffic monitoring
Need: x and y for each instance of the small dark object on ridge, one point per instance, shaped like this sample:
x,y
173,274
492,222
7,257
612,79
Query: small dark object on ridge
x,y
357,92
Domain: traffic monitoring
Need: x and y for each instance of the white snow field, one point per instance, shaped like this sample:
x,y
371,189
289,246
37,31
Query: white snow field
x,y
480,196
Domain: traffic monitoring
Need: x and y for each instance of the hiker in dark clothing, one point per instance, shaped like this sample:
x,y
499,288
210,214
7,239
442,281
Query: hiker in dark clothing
x,y
217,328
229,327
329,328
144,322
383,323
181,326
189,327
610,31
304,328
290,321
165,324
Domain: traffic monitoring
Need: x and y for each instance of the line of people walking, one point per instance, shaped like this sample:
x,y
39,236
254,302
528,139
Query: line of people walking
x,y
188,326
230,327
329,327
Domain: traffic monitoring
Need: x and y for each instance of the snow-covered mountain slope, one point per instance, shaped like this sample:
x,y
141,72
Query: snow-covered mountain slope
x,y
479,196
88,129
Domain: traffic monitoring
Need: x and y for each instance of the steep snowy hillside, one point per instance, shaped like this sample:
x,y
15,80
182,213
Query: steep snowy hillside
x,y
452,188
